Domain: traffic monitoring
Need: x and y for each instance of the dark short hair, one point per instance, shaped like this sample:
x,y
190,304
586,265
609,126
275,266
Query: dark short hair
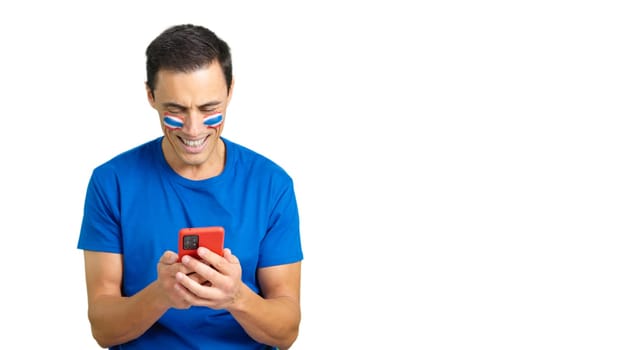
x,y
186,48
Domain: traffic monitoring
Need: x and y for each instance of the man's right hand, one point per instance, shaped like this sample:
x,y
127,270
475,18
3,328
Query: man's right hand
x,y
173,291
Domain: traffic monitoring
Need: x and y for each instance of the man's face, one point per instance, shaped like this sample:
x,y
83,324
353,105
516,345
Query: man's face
x,y
192,108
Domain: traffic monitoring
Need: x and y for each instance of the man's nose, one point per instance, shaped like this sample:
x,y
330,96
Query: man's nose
x,y
193,123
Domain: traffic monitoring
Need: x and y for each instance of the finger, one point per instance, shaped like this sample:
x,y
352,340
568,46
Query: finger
x,y
193,291
216,261
230,257
208,267
197,278
168,258
184,297
206,254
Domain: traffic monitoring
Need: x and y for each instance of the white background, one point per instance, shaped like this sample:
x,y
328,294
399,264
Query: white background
x,y
457,163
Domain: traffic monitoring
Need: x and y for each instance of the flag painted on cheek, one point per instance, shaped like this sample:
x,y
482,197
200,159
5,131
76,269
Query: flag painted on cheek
x,y
212,121
174,122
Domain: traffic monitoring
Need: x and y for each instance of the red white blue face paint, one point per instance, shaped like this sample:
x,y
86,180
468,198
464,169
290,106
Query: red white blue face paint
x,y
173,122
176,122
213,121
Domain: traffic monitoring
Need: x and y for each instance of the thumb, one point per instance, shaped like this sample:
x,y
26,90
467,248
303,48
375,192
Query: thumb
x,y
168,258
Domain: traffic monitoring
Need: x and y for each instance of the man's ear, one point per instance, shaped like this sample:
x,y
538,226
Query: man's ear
x,y
150,97
230,90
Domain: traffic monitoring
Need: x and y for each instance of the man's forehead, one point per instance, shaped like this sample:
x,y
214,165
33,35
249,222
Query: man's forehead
x,y
201,86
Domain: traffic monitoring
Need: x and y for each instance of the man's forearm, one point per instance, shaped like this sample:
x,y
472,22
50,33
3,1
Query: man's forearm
x,y
272,321
116,320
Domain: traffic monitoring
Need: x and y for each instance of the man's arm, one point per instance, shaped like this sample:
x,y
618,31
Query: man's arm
x,y
116,319
272,318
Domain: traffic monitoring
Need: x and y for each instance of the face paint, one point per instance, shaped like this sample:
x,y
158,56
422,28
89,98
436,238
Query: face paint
x,y
212,121
175,122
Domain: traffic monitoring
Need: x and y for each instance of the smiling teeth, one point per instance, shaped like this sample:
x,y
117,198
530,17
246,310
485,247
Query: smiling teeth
x,y
193,143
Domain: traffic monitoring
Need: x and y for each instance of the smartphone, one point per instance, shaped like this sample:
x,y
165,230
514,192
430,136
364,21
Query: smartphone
x,y
210,237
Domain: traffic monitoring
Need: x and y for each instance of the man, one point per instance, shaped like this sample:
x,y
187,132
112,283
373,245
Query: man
x,y
139,295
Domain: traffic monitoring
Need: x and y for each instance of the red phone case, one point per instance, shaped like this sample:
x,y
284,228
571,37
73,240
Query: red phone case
x,y
210,237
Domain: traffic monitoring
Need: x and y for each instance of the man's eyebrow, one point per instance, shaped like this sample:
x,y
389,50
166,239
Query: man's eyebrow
x,y
174,105
178,106
209,104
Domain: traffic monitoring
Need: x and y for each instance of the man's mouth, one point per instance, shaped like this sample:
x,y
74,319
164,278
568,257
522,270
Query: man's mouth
x,y
194,143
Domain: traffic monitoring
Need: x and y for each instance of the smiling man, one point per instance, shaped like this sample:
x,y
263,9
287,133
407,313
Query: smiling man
x,y
139,295
192,107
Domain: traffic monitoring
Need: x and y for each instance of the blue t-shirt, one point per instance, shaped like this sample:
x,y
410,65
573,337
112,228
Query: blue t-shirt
x,y
136,204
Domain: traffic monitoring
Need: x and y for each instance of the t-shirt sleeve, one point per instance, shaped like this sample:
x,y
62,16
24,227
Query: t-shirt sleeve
x,y
282,244
100,229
